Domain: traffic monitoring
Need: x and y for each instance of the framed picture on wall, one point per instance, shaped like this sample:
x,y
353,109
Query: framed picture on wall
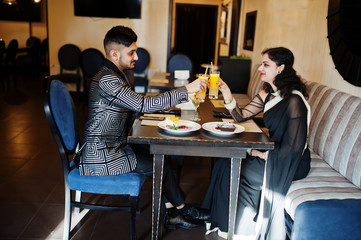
x,y
249,30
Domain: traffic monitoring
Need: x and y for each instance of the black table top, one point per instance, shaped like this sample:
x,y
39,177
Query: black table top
x,y
154,135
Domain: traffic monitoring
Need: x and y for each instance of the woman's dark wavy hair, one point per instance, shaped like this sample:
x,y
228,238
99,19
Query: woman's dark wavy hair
x,y
287,80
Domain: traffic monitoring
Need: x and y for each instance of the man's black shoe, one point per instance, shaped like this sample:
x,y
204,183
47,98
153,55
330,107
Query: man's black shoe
x,y
195,213
173,220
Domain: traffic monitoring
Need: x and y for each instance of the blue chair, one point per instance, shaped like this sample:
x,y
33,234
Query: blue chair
x,y
180,61
91,60
141,71
29,63
69,60
32,56
60,112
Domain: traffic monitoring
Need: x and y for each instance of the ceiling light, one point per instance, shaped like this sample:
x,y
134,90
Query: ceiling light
x,y
10,2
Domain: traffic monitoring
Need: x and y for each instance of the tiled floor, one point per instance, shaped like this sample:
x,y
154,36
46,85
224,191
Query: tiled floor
x,y
31,180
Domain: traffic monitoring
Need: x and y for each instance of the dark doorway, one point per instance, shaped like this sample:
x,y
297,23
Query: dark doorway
x,y
196,33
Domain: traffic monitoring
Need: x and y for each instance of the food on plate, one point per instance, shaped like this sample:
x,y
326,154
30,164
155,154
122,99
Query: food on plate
x,y
172,123
226,126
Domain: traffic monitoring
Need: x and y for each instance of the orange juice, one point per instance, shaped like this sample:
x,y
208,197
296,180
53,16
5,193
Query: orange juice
x,y
213,87
202,95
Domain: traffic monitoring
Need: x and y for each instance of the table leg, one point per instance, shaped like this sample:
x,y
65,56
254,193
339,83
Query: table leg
x,y
233,194
158,163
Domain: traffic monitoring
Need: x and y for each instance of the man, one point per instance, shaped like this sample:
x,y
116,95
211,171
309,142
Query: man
x,y
112,104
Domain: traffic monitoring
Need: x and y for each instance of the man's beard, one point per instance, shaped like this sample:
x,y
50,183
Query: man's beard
x,y
132,65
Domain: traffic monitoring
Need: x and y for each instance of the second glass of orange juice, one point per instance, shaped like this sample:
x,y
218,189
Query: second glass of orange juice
x,y
202,95
213,87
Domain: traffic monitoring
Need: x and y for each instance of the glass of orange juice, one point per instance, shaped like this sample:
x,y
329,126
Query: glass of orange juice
x,y
202,95
213,87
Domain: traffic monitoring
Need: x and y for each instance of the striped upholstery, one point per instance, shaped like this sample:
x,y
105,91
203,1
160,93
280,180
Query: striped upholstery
x,y
335,144
255,84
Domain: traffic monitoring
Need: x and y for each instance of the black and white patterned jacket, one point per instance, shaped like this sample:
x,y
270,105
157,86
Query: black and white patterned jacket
x,y
112,103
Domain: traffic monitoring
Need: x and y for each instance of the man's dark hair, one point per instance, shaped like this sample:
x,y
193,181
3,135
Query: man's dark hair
x,y
120,35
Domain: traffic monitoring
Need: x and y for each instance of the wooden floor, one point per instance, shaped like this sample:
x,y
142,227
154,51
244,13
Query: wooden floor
x,y
31,179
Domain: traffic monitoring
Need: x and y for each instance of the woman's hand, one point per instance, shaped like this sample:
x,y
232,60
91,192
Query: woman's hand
x,y
197,85
226,92
262,155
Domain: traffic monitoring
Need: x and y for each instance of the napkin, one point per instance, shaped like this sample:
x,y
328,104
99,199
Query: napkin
x,y
161,74
158,115
156,80
186,106
218,103
180,82
249,125
149,123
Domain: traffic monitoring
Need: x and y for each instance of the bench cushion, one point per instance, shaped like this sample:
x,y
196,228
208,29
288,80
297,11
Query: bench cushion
x,y
331,219
322,183
335,129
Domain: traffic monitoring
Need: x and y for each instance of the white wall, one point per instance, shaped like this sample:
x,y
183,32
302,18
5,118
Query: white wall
x,y
301,26
86,32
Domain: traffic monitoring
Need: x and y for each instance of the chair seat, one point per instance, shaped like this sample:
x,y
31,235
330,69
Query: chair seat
x,y
60,112
128,183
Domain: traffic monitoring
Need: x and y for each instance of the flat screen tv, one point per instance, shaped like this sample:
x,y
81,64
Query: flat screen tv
x,y
108,8
23,10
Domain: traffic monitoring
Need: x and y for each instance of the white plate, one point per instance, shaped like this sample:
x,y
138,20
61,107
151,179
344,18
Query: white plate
x,y
211,127
192,126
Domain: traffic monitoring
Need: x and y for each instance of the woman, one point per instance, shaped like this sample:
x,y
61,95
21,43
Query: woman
x,y
286,115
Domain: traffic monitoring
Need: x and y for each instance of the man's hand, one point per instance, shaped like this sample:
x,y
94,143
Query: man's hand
x,y
197,85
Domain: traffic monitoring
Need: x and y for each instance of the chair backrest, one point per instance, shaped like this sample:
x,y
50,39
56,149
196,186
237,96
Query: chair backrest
x,y
91,60
141,66
69,57
2,49
61,116
11,51
44,50
179,61
33,43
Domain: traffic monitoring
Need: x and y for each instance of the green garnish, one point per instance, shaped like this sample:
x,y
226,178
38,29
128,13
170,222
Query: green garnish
x,y
174,127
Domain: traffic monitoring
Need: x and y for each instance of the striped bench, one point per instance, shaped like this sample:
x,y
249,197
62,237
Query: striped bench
x,y
327,203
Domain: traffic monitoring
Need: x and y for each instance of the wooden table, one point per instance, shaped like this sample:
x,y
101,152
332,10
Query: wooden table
x,y
201,143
